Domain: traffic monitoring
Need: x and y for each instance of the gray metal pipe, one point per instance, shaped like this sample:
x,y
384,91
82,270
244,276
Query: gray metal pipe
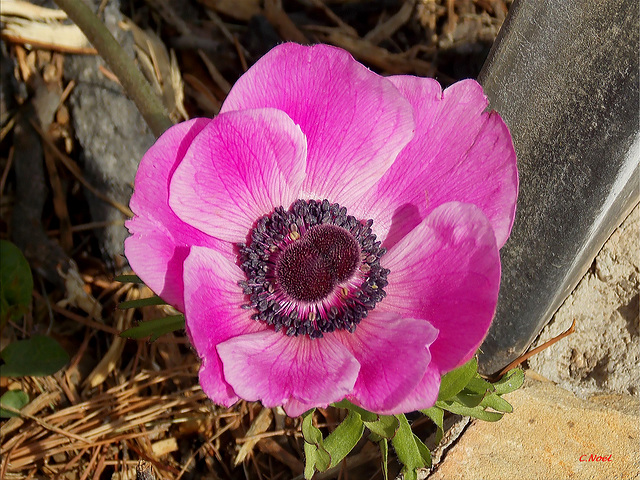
x,y
564,76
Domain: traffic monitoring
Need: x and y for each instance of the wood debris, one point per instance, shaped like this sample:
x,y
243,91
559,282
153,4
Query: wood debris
x,y
41,27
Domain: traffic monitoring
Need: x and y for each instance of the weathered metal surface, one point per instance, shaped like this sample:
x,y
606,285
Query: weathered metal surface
x,y
564,76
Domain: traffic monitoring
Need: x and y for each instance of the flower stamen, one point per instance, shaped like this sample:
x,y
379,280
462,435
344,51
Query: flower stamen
x,y
312,269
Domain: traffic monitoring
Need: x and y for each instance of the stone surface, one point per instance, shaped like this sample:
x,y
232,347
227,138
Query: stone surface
x,y
603,355
113,135
567,87
550,435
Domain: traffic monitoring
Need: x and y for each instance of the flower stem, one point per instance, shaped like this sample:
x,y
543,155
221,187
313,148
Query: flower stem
x,y
135,85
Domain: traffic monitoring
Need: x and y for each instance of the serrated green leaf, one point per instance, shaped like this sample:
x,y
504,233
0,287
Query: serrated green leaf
x,y
437,416
467,399
410,474
453,382
344,438
406,449
323,460
36,357
316,456
365,415
479,385
310,443
476,412
496,403
511,381
15,399
310,432
384,454
309,460
141,302
128,279
16,283
424,451
155,328
385,426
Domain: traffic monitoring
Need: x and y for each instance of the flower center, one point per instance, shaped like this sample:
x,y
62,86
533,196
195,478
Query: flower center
x,y
312,269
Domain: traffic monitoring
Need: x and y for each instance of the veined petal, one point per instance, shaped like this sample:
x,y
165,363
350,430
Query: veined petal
x,y
157,258
213,383
240,167
459,153
355,121
295,408
393,353
151,193
276,369
159,240
424,395
447,271
213,314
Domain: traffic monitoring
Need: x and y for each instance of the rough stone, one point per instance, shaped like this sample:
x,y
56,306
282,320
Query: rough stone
x,y
603,355
550,435
113,135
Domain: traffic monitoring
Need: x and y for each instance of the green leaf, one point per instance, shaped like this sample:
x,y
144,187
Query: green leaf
x,y
468,399
316,456
453,382
437,415
385,426
310,444
15,399
155,328
512,381
408,452
36,357
424,451
496,403
310,456
365,415
141,302
16,283
479,385
344,438
384,454
128,279
476,412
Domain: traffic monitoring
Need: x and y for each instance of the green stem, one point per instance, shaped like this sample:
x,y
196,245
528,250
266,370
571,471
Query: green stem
x,y
135,85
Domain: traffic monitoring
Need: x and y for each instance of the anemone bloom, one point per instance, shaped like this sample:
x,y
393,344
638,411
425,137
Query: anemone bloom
x,y
330,234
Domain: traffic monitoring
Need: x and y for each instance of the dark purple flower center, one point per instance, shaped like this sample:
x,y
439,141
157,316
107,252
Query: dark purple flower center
x,y
312,269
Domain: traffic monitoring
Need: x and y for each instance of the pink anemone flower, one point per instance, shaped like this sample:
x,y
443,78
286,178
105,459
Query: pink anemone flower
x,y
330,234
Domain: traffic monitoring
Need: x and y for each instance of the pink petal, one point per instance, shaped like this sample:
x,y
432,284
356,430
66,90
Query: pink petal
x,y
213,314
157,258
355,121
393,354
424,395
459,153
159,240
151,193
213,383
447,271
240,167
295,371
295,408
